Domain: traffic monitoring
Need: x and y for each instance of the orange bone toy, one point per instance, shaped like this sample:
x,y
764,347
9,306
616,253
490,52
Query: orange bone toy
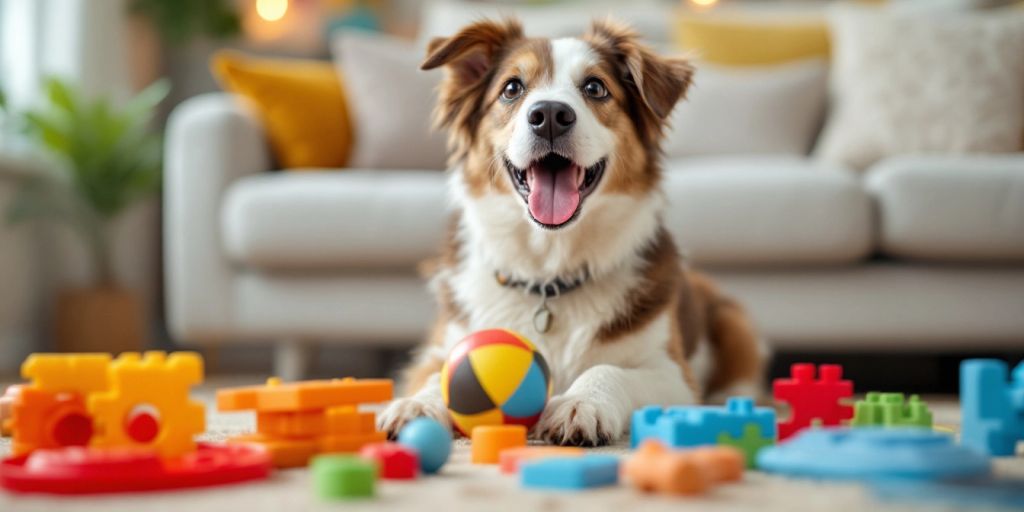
x,y
655,468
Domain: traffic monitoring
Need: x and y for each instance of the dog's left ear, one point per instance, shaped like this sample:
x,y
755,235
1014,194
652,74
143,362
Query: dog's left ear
x,y
660,82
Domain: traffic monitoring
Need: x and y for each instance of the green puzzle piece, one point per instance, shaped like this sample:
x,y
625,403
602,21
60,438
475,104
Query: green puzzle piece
x,y
750,443
343,477
890,410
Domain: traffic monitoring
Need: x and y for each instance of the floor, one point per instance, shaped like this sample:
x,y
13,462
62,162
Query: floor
x,y
466,487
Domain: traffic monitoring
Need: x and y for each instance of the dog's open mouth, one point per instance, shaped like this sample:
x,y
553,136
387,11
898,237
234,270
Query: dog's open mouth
x,y
554,187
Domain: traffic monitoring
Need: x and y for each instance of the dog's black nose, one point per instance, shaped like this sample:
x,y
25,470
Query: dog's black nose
x,y
551,119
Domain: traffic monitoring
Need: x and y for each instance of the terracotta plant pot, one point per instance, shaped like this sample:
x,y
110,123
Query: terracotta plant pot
x,y
106,319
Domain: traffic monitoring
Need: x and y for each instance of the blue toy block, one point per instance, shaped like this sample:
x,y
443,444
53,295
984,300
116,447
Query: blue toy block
x,y
963,494
686,426
992,408
571,473
869,453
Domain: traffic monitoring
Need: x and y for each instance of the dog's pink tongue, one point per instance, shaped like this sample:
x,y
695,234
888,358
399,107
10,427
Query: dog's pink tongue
x,y
554,195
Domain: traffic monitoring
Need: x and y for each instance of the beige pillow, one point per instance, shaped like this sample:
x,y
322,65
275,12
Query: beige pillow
x,y
390,102
923,83
774,109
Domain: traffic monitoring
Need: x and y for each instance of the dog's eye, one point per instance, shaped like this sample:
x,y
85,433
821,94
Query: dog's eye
x,y
513,89
595,88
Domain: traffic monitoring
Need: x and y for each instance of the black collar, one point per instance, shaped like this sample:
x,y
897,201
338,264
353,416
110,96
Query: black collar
x,y
553,288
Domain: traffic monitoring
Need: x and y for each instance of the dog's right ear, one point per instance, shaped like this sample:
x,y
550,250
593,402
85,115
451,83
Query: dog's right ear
x,y
469,57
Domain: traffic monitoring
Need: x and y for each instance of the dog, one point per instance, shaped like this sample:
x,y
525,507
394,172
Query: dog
x,y
555,147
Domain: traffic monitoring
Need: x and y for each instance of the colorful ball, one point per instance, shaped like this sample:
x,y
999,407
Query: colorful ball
x,y
495,377
432,442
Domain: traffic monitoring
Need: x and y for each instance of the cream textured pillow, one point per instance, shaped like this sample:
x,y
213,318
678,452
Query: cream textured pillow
x,y
774,109
390,102
924,83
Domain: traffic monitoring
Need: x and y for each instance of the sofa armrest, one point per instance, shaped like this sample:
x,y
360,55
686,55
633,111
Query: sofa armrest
x,y
212,140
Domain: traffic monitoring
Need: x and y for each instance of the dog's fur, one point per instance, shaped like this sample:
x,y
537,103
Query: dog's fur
x,y
641,329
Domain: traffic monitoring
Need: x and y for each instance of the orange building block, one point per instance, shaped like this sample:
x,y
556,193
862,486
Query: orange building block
x,y
306,395
510,459
490,440
655,468
48,419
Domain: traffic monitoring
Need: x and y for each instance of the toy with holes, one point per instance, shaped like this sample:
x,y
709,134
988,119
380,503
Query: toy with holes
x,y
813,399
87,423
891,410
656,468
992,406
296,421
494,377
738,424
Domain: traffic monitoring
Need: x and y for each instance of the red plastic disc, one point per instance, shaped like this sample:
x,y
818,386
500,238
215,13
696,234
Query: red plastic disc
x,y
79,470
143,424
73,429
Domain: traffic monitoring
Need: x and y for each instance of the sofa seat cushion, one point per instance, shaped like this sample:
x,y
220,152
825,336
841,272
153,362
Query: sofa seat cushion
x,y
348,219
767,210
951,208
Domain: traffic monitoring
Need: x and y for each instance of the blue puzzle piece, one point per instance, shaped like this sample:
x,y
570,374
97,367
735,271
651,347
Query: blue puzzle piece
x,y
595,470
873,453
967,494
684,426
992,408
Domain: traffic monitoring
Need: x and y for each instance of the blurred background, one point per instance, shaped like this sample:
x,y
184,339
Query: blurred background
x,y
256,179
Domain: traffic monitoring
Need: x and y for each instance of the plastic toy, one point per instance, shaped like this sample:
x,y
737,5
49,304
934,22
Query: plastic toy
x,y
971,494
870,453
494,377
738,424
431,440
81,470
91,400
813,400
992,409
594,470
655,468
7,408
394,461
511,459
343,477
890,410
490,440
295,421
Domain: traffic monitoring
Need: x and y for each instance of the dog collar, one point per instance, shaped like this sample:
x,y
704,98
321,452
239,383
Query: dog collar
x,y
543,317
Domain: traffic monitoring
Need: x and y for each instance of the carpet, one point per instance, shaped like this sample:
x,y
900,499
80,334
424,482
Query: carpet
x,y
466,487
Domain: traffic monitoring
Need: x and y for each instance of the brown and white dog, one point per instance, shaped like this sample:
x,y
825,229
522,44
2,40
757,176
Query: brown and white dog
x,y
556,178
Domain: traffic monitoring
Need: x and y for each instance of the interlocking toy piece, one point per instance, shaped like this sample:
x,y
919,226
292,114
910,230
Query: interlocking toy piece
x,y
511,459
589,471
490,440
874,453
343,477
68,373
970,494
655,468
813,400
890,410
738,424
298,420
394,461
45,419
992,408
7,408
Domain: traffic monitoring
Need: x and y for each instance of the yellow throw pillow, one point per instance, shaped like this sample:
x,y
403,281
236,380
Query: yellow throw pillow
x,y
301,102
742,40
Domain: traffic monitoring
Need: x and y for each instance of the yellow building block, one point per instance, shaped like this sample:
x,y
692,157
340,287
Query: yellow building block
x,y
67,373
157,383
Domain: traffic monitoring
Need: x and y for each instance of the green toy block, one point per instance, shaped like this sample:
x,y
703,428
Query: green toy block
x,y
889,410
750,443
343,477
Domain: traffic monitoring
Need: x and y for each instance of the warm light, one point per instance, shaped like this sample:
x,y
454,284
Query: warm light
x,y
704,3
271,10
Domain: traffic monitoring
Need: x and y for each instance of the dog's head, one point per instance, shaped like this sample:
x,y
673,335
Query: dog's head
x,y
555,121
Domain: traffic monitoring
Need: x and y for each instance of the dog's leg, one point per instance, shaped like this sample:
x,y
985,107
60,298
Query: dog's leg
x,y
596,408
426,402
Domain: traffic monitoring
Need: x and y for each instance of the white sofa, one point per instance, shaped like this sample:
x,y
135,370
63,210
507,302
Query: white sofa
x,y
920,253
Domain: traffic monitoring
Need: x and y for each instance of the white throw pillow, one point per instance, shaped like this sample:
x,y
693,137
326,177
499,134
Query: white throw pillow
x,y
924,83
391,101
742,110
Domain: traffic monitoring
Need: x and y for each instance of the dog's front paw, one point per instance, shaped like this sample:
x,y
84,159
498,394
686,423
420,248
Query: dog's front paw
x,y
403,410
579,421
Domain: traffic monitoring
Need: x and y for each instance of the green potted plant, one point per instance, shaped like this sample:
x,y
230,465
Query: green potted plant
x,y
105,159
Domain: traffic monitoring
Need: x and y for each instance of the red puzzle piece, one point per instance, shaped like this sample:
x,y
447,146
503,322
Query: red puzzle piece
x,y
396,462
813,399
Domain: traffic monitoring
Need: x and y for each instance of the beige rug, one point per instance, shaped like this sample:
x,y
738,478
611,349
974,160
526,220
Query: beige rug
x,y
466,487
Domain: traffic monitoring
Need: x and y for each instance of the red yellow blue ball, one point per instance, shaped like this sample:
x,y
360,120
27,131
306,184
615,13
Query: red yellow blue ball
x,y
495,377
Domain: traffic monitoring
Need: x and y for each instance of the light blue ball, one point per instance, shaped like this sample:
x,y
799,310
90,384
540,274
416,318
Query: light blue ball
x,y
430,439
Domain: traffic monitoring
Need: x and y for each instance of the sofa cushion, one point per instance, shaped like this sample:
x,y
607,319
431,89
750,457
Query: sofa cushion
x,y
362,219
768,210
946,208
